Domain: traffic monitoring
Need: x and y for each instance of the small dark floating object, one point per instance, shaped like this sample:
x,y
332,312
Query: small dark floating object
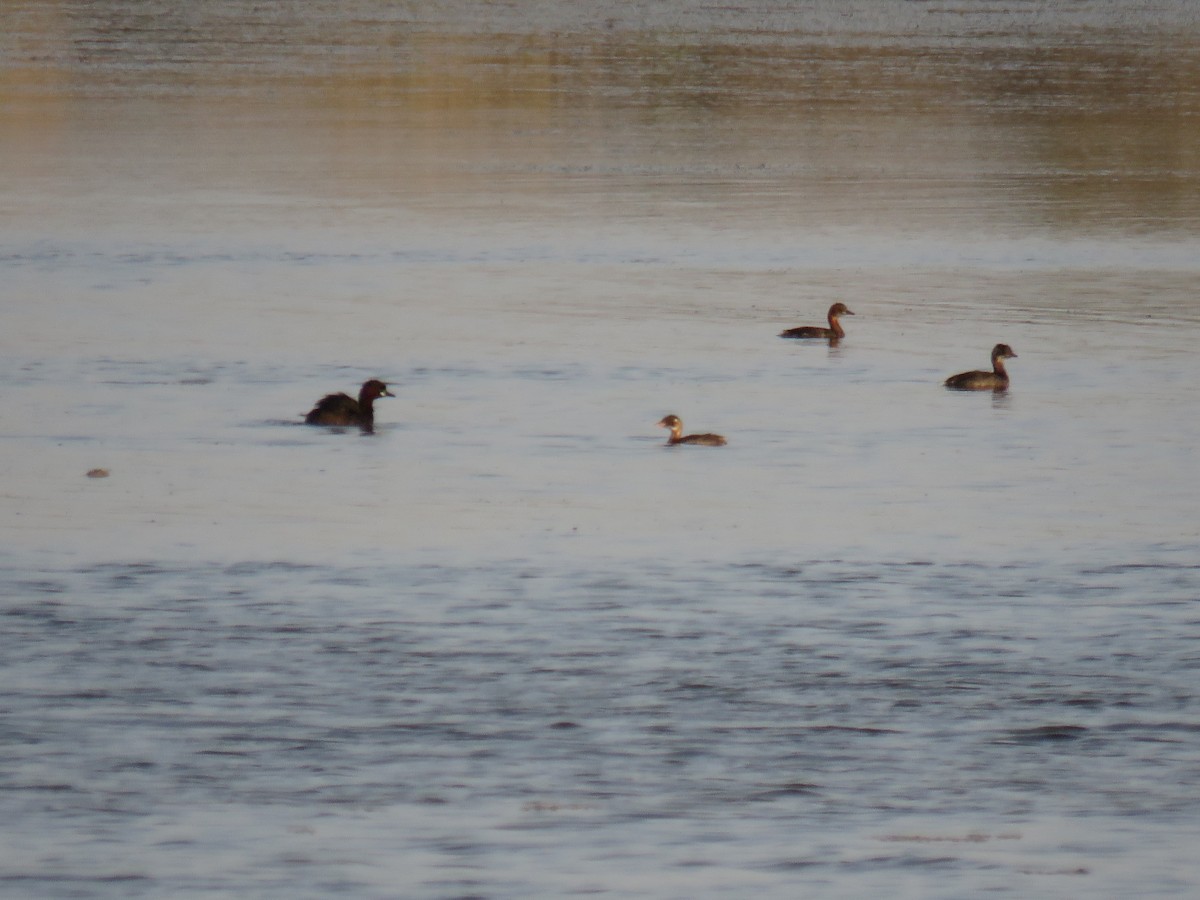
x,y
797,787
97,473
1047,733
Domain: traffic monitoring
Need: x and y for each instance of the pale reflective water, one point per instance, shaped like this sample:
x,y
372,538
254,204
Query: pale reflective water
x,y
891,638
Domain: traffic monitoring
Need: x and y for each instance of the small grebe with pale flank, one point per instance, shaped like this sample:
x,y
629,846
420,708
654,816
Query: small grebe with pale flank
x,y
678,437
995,380
833,332
342,409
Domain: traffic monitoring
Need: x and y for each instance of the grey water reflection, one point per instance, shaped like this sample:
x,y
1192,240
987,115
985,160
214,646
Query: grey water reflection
x,y
926,115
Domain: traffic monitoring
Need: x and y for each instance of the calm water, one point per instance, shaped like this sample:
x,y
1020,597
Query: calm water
x,y
891,639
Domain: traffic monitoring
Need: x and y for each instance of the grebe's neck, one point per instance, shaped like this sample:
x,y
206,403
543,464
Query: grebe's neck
x,y
836,326
998,367
366,401
366,410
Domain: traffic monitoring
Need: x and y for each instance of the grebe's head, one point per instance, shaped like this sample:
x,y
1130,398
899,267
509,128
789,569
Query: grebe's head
x,y
840,309
1003,351
670,422
373,389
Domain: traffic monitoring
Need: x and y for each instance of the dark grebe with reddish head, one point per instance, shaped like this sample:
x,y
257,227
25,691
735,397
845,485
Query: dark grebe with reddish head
x,y
344,410
675,424
995,380
833,333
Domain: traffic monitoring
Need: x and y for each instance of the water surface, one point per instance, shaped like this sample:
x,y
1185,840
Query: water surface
x,y
890,638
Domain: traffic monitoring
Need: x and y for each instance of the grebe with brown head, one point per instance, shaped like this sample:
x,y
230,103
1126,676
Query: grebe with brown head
x,y
343,410
833,333
995,380
675,424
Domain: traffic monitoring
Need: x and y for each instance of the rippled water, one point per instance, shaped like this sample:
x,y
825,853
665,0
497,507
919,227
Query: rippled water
x,y
528,728
891,638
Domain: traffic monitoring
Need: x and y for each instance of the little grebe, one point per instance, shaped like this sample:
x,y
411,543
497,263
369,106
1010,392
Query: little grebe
x,y
678,437
833,333
341,409
995,380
